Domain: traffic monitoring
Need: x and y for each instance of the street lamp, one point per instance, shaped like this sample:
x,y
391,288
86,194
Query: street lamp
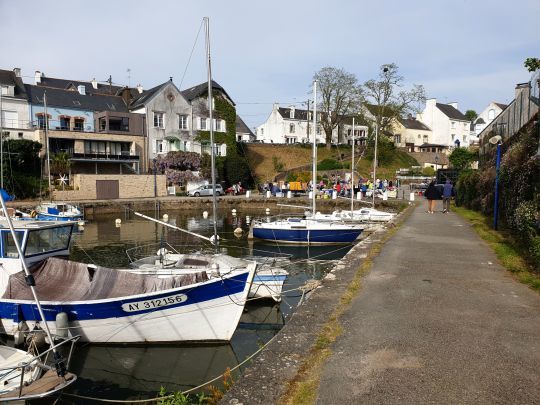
x,y
496,140
436,162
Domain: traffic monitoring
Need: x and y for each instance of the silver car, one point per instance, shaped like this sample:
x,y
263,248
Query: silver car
x,y
205,191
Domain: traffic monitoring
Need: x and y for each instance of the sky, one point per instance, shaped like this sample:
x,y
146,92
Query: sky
x,y
469,51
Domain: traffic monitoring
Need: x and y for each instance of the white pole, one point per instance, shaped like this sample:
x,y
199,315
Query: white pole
x,y
375,163
352,169
46,117
210,107
1,143
314,169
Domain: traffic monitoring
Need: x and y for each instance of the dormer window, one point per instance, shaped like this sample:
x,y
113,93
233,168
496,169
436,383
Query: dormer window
x,y
291,113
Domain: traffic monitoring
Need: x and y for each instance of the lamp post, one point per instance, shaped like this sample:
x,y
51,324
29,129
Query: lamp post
x,y
496,140
436,162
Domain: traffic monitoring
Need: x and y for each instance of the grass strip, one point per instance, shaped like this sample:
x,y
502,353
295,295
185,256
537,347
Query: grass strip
x,y
509,252
303,388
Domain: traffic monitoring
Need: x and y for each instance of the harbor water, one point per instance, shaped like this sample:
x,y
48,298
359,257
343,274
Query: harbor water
x,y
139,371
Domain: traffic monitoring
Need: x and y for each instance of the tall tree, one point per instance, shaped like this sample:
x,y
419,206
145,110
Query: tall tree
x,y
471,115
387,100
341,95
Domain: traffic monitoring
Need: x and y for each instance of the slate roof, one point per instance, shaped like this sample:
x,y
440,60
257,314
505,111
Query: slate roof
x,y
429,145
300,115
242,128
501,106
8,77
201,89
67,84
411,123
146,95
72,99
451,112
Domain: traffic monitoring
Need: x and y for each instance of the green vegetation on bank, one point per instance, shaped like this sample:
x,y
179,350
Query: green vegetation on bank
x,y
509,251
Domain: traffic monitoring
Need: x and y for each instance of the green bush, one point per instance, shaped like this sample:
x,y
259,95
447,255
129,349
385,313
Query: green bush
x,y
329,164
278,164
428,171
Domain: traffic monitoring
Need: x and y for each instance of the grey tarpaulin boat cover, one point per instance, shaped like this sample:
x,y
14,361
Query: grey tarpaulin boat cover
x,y
64,280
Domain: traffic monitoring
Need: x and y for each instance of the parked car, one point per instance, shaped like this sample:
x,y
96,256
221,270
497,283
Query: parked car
x,y
205,191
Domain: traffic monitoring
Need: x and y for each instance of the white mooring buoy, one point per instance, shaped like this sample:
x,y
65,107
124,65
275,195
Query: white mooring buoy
x,y
238,231
205,214
268,211
165,218
118,222
233,211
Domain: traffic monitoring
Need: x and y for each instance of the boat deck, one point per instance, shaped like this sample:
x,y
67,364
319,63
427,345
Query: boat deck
x,y
48,383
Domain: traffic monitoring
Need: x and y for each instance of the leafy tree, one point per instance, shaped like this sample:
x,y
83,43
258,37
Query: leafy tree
x,y
23,156
341,95
387,98
60,163
428,171
532,64
461,158
471,115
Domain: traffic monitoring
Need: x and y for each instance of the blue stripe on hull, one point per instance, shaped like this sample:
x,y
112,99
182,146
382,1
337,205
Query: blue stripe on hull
x,y
301,235
45,217
269,278
26,311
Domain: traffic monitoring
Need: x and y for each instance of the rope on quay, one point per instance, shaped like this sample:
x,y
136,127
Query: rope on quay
x,y
142,401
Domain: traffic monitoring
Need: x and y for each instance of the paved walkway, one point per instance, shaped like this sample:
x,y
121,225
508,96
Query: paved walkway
x,y
438,320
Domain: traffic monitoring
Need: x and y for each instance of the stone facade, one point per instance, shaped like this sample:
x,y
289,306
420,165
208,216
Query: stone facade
x,y
130,187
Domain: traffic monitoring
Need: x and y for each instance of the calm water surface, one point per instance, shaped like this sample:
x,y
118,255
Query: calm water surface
x,y
128,371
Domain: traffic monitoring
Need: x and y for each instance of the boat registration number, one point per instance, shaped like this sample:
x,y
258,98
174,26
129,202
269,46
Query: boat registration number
x,y
156,303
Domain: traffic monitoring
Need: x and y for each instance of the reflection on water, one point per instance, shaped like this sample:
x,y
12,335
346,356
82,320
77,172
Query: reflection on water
x,y
120,372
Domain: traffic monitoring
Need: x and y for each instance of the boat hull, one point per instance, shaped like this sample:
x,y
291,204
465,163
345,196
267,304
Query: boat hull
x,y
311,236
208,311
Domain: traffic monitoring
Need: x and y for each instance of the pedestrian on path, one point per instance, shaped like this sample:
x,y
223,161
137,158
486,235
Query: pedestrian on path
x,y
432,194
447,196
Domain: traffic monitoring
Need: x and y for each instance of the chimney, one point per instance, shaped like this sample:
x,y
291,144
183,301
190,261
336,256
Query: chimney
x,y
275,106
430,102
17,72
126,95
37,77
292,111
94,83
454,104
139,88
81,89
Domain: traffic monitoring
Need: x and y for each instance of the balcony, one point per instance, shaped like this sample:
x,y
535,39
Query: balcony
x,y
108,157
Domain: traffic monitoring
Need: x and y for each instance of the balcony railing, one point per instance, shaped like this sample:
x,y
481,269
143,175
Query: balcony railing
x,y
123,157
17,124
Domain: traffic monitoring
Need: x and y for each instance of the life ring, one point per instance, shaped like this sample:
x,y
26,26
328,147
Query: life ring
x,y
33,214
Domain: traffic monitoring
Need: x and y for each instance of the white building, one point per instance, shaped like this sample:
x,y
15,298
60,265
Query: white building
x,y
292,125
14,107
488,115
448,125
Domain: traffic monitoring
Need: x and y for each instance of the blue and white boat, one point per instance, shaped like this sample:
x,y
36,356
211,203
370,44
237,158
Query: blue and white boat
x,y
57,212
109,306
306,231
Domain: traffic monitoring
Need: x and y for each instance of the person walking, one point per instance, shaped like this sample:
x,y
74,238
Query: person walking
x,y
447,196
431,194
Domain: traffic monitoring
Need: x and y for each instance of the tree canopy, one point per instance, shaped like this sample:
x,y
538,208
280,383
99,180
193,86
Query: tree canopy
x,y
388,101
471,115
341,95
461,158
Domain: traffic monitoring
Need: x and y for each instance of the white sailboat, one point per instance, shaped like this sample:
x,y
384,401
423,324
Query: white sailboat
x,y
307,230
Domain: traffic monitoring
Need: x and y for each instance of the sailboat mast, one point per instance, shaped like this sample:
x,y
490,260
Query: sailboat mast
x,y
1,142
210,109
352,169
375,164
60,366
46,120
314,170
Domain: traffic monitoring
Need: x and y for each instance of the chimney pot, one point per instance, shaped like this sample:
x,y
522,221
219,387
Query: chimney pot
x,y
94,83
37,77
139,88
17,72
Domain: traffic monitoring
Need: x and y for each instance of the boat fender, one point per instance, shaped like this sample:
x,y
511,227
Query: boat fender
x,y
238,231
62,324
33,213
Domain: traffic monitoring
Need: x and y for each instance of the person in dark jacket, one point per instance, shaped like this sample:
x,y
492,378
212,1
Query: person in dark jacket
x,y
447,196
432,194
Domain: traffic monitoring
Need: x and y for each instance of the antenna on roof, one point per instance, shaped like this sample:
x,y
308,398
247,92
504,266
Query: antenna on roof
x,y
110,84
128,70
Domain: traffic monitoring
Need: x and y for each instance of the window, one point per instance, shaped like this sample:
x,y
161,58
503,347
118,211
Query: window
x,y
41,121
426,139
161,146
158,120
5,90
102,123
291,113
453,124
292,129
64,122
119,148
318,130
219,125
95,147
78,124
202,124
183,122
262,131
397,139
464,138
419,136
453,136
47,240
119,124
10,119
290,140
349,132
8,244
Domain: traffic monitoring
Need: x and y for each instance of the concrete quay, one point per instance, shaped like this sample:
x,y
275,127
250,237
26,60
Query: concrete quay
x,y
437,320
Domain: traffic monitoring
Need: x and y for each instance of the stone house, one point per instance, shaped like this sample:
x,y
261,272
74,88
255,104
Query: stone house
x,y
411,134
487,116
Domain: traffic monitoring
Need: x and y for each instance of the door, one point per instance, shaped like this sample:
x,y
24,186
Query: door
x,y
107,189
